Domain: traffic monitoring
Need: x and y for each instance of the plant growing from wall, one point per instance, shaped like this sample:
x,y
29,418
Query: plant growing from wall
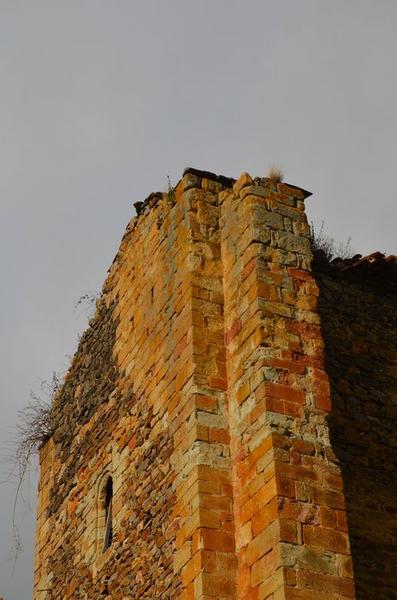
x,y
171,192
275,174
35,427
324,243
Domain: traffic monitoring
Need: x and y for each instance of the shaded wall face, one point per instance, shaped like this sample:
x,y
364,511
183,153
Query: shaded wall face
x,y
359,325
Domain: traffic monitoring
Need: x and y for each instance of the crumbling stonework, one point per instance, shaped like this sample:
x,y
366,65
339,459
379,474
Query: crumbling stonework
x,y
201,391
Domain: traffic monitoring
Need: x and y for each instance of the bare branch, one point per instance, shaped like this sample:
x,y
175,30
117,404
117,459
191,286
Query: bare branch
x,y
34,428
321,241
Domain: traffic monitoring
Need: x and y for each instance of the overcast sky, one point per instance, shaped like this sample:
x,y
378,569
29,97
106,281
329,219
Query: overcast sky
x,y
100,100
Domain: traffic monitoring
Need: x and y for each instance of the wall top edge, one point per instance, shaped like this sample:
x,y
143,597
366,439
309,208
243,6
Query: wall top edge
x,y
227,182
376,268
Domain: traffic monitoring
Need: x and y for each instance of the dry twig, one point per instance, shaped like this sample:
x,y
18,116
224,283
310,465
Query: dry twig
x,y
322,241
34,428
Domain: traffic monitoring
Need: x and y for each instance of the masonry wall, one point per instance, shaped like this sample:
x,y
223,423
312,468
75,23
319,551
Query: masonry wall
x,y
112,416
290,520
200,387
144,402
359,322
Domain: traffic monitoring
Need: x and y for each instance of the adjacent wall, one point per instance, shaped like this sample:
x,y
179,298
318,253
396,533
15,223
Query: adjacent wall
x,y
200,388
359,323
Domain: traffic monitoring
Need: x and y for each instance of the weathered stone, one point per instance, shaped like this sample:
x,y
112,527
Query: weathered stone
x,y
244,180
200,392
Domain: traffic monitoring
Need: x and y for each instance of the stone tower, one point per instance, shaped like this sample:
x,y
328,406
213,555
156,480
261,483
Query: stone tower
x,y
205,444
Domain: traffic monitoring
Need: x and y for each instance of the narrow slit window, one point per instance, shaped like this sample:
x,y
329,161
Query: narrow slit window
x,y
108,532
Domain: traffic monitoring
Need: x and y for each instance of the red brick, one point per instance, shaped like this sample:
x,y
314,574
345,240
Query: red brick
x,y
284,392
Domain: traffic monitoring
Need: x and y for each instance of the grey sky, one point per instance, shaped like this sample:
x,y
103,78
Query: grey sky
x,y
101,100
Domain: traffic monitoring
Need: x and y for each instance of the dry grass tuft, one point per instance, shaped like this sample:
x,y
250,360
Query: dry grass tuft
x,y
275,174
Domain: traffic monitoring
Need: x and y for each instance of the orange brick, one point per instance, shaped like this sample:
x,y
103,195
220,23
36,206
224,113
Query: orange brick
x,y
261,544
329,539
341,520
297,472
252,594
289,529
190,571
263,568
219,435
218,585
212,539
285,486
284,392
208,403
325,583
327,517
265,516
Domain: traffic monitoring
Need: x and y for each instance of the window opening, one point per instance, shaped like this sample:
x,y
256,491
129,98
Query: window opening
x,y
108,534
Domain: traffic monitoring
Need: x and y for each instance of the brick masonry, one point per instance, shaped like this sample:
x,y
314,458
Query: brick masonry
x,y
359,321
201,387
